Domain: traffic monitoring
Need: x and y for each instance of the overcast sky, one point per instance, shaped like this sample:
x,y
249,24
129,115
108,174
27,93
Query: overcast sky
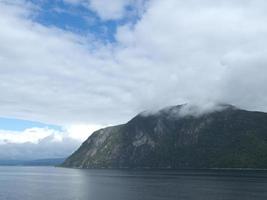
x,y
85,64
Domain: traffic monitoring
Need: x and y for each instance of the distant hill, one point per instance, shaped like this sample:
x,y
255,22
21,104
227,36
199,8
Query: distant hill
x,y
176,137
40,162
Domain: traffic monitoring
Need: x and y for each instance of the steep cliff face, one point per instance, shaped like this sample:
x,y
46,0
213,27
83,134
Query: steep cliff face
x,y
226,138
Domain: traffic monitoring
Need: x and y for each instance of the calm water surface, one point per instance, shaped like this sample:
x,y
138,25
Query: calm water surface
x,y
49,183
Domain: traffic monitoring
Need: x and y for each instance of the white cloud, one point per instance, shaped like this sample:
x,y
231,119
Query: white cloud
x,y
39,143
179,51
32,135
48,147
115,9
81,131
110,10
106,10
191,46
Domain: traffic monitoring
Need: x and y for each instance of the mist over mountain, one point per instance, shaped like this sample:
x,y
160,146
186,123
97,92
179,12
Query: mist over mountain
x,y
225,137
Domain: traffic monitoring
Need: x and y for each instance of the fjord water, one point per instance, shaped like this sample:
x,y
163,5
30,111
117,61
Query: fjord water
x,y
43,183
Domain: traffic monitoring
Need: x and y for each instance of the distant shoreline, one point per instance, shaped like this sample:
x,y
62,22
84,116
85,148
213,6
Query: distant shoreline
x,y
37,162
170,169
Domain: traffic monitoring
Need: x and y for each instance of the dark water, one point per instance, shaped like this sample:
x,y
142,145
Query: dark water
x,y
48,183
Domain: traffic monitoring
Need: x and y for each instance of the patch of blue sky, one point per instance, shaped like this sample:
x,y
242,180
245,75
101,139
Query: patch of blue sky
x,y
20,125
79,19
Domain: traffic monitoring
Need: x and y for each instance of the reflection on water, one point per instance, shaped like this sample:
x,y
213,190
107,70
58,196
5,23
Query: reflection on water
x,y
49,183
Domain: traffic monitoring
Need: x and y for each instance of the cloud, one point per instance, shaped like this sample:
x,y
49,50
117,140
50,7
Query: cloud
x,y
32,135
177,52
108,10
245,79
115,10
45,148
199,52
41,143
81,131
105,9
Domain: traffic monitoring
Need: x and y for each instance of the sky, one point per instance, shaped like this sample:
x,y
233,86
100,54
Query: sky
x,y
70,67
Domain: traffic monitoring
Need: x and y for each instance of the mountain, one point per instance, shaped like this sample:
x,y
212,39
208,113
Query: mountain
x,y
39,162
179,137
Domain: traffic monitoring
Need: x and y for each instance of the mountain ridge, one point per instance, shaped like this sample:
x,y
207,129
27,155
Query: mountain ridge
x,y
223,138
